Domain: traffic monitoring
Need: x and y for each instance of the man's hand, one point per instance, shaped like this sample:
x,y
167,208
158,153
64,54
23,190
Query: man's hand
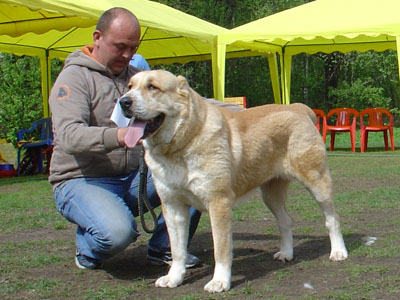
x,y
121,135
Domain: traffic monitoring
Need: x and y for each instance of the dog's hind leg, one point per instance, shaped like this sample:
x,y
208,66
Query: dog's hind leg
x,y
312,171
321,189
274,194
220,212
176,216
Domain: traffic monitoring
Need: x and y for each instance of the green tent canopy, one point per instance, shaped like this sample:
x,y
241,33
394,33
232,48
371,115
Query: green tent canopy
x,y
318,26
55,28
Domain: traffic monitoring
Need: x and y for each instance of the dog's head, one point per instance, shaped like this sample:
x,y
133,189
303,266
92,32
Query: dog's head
x,y
154,97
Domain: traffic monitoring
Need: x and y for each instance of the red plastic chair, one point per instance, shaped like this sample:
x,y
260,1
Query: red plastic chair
x,y
376,122
345,122
320,116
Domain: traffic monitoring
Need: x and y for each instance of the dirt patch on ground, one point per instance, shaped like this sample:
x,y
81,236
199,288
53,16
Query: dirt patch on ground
x,y
43,259
255,274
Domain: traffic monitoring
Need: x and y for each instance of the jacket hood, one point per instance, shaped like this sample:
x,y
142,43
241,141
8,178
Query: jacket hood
x,y
82,59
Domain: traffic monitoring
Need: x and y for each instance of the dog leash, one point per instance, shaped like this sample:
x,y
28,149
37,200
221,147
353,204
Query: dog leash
x,y
142,196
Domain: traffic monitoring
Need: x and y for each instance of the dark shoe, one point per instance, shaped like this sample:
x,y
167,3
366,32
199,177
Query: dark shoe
x,y
158,259
84,262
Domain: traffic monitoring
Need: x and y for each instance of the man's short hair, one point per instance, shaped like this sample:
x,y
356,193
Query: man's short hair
x,y
109,15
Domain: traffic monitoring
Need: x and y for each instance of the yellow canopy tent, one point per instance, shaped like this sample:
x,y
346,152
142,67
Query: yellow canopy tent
x,y
55,28
319,26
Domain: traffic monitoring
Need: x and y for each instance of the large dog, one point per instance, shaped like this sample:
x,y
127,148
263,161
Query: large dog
x,y
212,158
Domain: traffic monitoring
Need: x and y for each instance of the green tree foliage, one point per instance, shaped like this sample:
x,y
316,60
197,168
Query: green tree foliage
x,y
359,95
379,70
20,94
366,80
308,80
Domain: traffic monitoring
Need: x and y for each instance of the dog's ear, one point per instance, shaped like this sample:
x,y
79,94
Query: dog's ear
x,y
183,86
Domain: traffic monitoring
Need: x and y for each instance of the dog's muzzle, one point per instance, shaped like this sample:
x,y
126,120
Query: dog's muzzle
x,y
151,125
126,104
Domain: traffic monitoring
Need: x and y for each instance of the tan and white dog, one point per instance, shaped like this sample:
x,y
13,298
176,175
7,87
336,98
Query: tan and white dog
x,y
212,158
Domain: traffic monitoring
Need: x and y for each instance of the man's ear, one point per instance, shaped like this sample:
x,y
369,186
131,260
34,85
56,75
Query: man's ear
x,y
183,86
96,36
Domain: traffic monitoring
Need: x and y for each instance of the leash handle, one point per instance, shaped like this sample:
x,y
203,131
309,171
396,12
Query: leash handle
x,y
142,196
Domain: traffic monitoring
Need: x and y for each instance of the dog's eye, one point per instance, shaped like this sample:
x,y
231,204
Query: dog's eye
x,y
152,87
129,86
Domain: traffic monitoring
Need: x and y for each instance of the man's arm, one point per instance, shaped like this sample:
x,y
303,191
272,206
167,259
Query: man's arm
x,y
72,111
229,106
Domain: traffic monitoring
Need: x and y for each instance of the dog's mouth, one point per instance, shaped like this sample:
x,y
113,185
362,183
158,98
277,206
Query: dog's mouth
x,y
152,125
142,129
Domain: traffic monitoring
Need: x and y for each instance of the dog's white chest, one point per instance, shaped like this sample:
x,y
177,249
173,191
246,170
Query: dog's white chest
x,y
170,172
182,179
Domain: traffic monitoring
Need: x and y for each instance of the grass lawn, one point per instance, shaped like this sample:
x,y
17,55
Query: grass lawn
x,y
37,245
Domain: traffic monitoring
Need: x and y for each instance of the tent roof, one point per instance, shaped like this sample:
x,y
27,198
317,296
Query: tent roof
x,y
318,26
324,25
59,27
55,28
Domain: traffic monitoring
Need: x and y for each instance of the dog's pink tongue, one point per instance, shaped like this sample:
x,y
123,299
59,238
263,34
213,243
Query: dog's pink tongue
x,y
135,132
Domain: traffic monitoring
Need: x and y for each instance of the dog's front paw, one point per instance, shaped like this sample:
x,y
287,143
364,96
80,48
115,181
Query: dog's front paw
x,y
168,281
174,277
284,256
339,255
217,286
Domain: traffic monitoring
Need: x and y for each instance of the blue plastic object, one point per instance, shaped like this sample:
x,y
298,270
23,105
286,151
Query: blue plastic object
x,y
46,140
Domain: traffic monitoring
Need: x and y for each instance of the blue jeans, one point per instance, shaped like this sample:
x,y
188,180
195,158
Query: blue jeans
x,y
105,209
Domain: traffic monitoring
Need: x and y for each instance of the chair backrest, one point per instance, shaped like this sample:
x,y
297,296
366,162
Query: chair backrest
x,y
320,115
42,126
376,116
343,115
241,101
47,130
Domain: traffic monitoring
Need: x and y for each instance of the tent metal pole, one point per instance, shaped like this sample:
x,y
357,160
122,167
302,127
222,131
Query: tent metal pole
x,y
44,71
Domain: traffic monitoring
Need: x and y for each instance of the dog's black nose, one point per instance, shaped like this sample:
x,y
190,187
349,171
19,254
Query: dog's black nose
x,y
125,102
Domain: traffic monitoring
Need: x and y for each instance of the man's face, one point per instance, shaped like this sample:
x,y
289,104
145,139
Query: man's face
x,y
115,47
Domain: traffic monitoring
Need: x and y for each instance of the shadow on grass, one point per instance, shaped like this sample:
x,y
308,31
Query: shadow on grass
x,y
253,264
131,264
249,263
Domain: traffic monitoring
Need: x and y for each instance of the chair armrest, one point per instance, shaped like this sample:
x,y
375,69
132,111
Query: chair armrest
x,y
22,132
391,121
354,122
324,121
362,126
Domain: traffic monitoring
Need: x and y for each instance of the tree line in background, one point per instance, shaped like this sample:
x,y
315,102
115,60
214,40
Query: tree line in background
x,y
324,81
